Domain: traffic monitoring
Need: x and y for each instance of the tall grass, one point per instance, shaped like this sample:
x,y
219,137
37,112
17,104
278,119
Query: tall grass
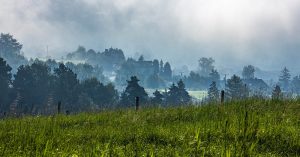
x,y
241,128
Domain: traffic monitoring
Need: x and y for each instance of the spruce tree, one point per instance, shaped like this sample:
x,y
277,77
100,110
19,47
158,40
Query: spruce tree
x,y
184,96
132,91
177,95
213,92
284,78
235,89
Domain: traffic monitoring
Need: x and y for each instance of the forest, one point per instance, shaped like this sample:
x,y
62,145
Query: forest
x,y
94,81
103,80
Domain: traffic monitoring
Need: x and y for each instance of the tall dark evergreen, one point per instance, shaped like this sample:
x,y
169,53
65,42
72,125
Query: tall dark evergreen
x,y
5,81
132,91
284,79
213,92
177,95
236,89
66,87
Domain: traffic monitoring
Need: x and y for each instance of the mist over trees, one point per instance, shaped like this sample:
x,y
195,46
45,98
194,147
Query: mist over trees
x,y
110,60
10,49
88,80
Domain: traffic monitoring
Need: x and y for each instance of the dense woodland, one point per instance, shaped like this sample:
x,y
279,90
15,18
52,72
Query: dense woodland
x,y
88,80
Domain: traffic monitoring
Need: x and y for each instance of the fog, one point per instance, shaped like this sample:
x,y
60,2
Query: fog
x,y
264,33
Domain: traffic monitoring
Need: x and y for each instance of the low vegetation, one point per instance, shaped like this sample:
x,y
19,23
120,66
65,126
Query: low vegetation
x,y
242,128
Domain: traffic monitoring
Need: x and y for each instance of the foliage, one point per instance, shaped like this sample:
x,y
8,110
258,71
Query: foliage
x,y
213,92
214,76
167,73
236,89
101,95
248,72
111,59
284,79
34,84
195,81
205,66
132,91
158,98
10,50
66,87
5,82
177,95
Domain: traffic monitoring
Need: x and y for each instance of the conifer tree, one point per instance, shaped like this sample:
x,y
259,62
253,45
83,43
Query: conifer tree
x,y
132,91
213,92
284,78
235,89
177,95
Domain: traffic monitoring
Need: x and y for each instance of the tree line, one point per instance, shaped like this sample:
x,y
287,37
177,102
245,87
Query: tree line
x,y
36,89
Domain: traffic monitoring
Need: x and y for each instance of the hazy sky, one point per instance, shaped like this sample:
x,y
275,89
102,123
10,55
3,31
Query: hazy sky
x,y
265,33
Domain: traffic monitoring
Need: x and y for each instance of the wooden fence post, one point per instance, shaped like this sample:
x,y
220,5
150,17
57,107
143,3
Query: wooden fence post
x,y
58,107
137,103
222,97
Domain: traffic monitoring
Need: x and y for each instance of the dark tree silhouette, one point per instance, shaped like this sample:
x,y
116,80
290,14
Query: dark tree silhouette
x,y
167,71
158,98
248,72
236,89
156,66
5,81
213,92
141,58
9,45
205,66
132,91
10,50
34,84
284,79
214,75
66,87
101,95
177,95
161,67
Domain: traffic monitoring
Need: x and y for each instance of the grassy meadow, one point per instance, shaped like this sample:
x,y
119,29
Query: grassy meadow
x,y
244,128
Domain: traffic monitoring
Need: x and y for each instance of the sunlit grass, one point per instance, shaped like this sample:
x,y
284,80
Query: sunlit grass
x,y
247,128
